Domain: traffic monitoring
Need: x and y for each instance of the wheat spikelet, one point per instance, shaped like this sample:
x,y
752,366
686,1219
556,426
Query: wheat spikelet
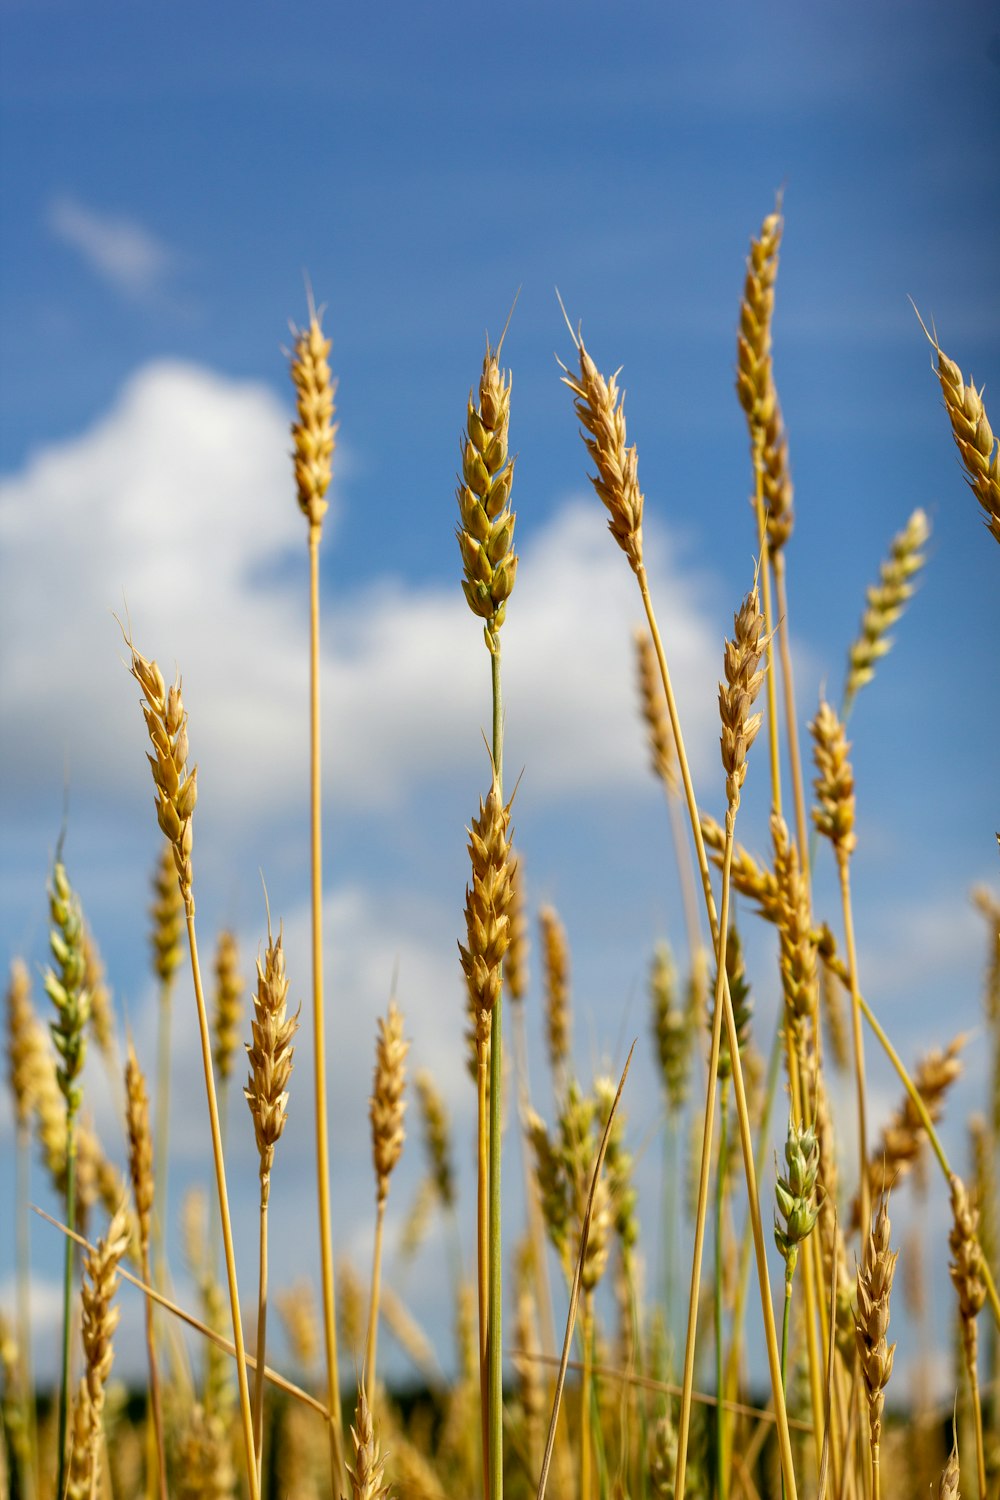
x,y
313,431
486,533
779,494
886,601
167,912
25,1039
739,991
754,379
834,817
227,1015
270,1055
102,1015
619,1168
515,970
387,1106
98,1323
176,788
600,408
875,1275
903,1137
367,1468
950,1475
662,748
487,911
350,1306
662,1458
966,1265
798,952
81,1469
65,986
204,1465
553,1191
672,1032
973,436
436,1128
987,903
297,1310
555,969
744,676
140,1146
795,1193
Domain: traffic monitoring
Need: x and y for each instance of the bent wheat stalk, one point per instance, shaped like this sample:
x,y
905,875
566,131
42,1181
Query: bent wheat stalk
x,y
598,405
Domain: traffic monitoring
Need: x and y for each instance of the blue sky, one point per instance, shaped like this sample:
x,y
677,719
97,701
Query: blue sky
x,y
169,177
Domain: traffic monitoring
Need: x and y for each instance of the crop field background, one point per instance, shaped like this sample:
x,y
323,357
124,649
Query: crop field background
x,y
197,202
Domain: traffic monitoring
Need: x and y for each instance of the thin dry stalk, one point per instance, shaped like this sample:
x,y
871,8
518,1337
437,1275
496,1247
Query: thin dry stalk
x,y
966,1268
313,435
140,1161
487,924
574,1295
875,1275
176,795
386,1109
901,1141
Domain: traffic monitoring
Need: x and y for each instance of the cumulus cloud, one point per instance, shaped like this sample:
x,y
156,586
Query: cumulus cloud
x,y
178,500
116,247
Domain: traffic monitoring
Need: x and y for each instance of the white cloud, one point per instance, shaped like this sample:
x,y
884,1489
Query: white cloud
x,y
179,498
119,249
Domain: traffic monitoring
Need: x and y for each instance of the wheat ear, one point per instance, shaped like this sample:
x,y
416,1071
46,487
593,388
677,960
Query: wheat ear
x,y
875,1273
966,1267
367,1470
313,436
270,1054
970,426
99,1321
176,794
140,1161
558,1010
886,601
25,1042
386,1108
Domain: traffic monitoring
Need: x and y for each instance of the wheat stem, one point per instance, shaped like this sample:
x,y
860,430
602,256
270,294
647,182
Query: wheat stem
x,y
720,1201
319,1027
371,1342
482,1246
494,1308
859,1049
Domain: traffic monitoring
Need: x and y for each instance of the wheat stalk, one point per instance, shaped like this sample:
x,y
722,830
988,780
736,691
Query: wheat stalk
x,y
176,794
313,436
599,408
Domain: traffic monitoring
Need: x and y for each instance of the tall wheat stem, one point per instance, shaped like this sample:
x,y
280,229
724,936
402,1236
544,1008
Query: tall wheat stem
x,y
720,1201
746,1138
258,1380
586,1391
495,1336
722,930
773,745
67,1296
246,1412
371,1343
482,1251
319,1026
802,830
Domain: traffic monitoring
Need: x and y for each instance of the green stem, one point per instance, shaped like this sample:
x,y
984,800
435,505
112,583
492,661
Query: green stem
x,y
67,1295
722,1483
789,1273
495,1326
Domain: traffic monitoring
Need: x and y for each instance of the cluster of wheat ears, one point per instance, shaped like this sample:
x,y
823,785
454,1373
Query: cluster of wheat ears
x,y
620,1404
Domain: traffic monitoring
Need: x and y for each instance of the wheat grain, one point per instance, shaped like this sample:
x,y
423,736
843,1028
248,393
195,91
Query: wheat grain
x,y
973,436
874,1284
487,911
744,676
555,968
672,1032
387,1104
167,913
270,1055
367,1469
662,749
515,969
227,1016
902,1139
297,1310
754,380
436,1129
25,1039
834,817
